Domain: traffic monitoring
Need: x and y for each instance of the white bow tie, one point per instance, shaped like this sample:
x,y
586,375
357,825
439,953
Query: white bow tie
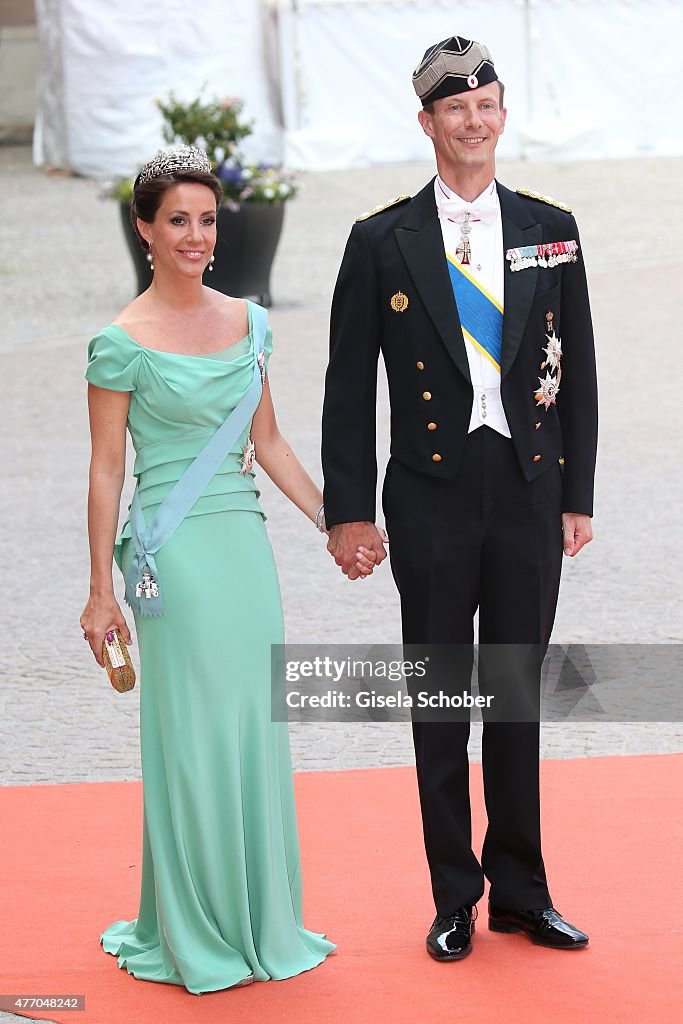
x,y
484,208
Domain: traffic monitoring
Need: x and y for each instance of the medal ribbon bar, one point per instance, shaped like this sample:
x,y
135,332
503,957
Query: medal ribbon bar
x,y
545,254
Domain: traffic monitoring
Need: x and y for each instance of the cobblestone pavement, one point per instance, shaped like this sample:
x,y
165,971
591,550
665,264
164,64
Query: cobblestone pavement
x,y
64,272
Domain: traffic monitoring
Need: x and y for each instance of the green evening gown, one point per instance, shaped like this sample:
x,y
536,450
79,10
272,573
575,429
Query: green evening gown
x,y
221,875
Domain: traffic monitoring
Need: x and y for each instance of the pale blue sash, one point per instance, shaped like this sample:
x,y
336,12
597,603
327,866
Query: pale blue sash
x,y
149,537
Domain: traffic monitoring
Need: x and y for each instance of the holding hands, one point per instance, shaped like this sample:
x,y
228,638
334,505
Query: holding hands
x,y
357,548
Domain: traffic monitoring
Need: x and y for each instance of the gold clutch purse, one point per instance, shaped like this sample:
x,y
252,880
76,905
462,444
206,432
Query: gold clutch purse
x,y
117,661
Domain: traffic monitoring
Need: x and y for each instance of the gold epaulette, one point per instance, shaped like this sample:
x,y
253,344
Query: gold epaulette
x,y
544,199
384,206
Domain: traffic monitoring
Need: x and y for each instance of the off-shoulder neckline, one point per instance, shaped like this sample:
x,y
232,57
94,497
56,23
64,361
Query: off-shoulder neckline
x,y
187,355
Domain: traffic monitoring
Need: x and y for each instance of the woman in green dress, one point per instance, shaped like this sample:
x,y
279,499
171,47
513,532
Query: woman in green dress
x,y
220,901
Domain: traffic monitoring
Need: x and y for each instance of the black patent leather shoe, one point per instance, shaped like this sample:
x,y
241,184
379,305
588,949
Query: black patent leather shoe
x,y
544,927
450,937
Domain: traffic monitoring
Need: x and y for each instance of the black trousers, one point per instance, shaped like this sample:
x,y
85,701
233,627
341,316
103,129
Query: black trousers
x,y
488,540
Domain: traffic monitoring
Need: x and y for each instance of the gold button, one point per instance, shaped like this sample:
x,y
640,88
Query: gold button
x,y
537,425
427,395
420,365
436,457
431,426
536,458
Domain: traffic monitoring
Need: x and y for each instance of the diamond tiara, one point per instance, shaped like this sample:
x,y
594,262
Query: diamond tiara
x,y
181,158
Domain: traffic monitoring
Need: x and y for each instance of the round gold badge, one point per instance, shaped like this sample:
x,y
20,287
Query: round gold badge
x,y
399,302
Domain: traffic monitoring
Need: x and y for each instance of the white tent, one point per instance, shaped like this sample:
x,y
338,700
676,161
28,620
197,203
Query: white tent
x,y
103,64
328,81
584,78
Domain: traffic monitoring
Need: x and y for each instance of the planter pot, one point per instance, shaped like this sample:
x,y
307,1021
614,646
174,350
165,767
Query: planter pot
x,y
245,249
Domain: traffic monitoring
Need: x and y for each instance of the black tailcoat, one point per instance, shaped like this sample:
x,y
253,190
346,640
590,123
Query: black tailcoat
x,y
474,519
401,250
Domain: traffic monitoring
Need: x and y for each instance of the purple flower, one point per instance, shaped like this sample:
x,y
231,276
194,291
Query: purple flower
x,y
230,174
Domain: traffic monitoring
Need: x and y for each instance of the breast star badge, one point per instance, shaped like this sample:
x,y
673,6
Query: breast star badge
x,y
545,395
553,351
547,392
399,302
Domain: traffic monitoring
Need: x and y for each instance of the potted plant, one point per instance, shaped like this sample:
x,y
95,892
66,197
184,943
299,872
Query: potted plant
x,y
249,221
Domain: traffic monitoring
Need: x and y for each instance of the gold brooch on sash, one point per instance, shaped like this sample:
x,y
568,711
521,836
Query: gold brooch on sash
x,y
248,457
399,302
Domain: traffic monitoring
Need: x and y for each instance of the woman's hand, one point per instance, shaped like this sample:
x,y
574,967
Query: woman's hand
x,y
102,613
366,558
365,561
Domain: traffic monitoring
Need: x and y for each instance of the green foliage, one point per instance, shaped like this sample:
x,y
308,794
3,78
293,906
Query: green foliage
x,y
120,188
214,126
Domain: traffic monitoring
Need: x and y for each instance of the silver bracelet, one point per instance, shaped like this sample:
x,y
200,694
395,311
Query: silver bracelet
x,y
319,517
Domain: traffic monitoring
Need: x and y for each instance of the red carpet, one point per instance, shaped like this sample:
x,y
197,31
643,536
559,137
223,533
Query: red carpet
x,y
613,839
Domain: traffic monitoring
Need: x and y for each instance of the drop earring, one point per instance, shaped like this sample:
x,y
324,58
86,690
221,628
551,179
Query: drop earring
x,y
150,257
211,259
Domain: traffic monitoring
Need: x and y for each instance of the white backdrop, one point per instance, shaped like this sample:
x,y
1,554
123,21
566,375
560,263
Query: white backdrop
x,y
605,78
584,78
348,98
328,81
104,62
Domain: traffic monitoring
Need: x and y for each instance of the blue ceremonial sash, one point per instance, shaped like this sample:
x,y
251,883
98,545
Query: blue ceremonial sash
x,y
481,317
148,538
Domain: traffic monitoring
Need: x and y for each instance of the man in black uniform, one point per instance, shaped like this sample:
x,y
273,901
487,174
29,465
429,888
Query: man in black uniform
x,y
476,296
